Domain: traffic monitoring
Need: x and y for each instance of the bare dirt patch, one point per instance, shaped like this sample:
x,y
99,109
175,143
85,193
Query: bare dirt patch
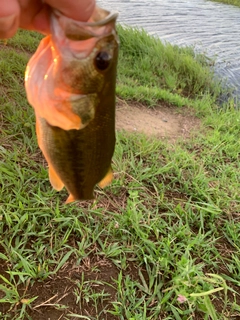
x,y
86,290
163,121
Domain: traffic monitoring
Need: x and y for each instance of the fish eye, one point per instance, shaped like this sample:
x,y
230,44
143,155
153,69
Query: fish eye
x,y
102,60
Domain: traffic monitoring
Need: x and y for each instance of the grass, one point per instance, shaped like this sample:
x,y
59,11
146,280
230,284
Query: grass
x,y
162,242
150,71
232,2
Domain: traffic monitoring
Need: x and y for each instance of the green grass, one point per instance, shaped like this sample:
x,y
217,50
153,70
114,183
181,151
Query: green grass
x,y
232,2
150,71
162,242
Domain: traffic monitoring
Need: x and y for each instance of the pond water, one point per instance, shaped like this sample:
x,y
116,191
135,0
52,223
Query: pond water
x,y
212,28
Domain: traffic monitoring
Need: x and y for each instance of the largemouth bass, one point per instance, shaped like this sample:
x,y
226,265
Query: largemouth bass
x,y
70,82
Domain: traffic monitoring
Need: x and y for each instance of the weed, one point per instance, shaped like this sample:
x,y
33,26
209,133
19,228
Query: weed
x,y
162,242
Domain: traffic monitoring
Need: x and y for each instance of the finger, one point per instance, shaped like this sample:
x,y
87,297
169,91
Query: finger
x,y
29,10
41,21
76,9
9,18
36,14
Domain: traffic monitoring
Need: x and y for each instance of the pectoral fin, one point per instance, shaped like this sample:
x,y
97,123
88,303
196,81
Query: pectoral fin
x,y
84,107
71,112
106,181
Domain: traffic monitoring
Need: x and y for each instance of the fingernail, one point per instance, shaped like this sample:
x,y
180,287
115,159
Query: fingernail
x,y
7,23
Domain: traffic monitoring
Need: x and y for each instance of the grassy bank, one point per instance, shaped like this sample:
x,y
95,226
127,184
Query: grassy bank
x,y
232,2
162,242
150,71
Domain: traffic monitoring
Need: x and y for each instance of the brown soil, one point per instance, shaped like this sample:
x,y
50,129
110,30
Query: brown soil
x,y
68,292
163,121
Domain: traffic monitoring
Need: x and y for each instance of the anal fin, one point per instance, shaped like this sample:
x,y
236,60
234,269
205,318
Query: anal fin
x,y
106,181
55,181
70,199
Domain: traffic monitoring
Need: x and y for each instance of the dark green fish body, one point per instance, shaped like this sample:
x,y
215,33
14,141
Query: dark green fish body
x,y
70,82
82,158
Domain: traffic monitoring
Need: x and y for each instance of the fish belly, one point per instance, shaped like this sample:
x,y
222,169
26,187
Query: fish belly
x,y
78,159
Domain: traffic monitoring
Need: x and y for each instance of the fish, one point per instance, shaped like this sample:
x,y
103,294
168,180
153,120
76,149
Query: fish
x,y
70,82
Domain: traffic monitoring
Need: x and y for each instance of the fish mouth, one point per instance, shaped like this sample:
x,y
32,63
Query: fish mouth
x,y
100,17
101,23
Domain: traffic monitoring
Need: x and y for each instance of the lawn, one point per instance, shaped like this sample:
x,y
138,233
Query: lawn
x,y
231,2
163,241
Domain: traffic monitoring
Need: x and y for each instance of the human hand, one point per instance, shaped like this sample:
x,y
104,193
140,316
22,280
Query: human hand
x,y
35,14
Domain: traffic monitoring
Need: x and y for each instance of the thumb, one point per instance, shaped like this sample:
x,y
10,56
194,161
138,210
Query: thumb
x,y
9,18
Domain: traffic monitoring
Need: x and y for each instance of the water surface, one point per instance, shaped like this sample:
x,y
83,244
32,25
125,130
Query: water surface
x,y
213,28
